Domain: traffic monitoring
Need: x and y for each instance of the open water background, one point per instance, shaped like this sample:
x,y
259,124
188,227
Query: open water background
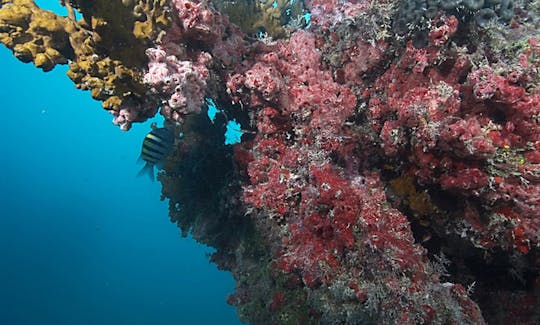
x,y
82,239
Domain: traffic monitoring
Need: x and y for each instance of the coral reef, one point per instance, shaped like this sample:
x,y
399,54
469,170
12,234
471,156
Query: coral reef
x,y
389,166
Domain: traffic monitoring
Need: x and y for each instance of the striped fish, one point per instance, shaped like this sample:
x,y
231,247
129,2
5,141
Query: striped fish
x,y
156,146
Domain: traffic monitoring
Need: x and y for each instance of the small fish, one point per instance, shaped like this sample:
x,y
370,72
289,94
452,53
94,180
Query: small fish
x,y
156,146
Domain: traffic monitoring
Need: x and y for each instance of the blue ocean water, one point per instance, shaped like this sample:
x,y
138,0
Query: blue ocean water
x,y
82,239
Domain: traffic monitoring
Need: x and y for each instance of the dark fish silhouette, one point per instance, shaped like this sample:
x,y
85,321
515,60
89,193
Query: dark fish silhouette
x,y
156,146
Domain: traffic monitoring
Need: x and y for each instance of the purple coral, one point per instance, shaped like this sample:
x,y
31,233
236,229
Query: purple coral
x,y
178,67
182,81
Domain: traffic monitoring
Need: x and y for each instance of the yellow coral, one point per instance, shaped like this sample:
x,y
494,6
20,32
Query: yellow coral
x,y
419,202
105,49
267,16
34,34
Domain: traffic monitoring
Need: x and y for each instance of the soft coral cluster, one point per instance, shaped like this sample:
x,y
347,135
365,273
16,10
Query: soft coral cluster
x,y
469,130
331,226
182,63
183,80
178,70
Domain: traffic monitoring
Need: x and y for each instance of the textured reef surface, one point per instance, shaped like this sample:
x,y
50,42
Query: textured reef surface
x,y
389,168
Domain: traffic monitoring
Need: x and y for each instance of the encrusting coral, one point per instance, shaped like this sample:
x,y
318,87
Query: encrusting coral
x,y
390,159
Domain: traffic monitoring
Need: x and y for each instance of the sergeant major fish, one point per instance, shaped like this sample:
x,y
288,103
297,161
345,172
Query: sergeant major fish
x,y
156,146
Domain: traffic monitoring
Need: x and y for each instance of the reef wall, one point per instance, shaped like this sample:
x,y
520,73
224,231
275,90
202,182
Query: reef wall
x,y
389,168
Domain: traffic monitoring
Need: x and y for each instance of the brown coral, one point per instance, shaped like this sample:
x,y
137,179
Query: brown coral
x,y
35,34
105,49
266,17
